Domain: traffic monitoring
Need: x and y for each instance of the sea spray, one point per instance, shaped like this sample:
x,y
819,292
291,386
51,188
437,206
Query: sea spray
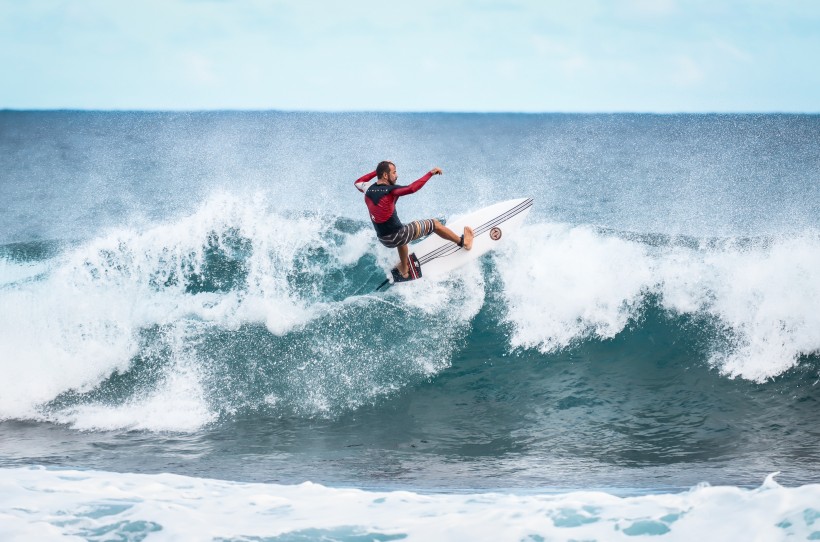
x,y
236,306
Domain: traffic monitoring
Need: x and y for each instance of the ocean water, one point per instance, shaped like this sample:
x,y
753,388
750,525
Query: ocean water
x,y
191,345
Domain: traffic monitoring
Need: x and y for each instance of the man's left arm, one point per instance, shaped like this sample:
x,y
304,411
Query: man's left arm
x,y
362,182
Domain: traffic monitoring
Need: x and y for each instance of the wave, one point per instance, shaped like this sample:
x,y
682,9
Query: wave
x,y
43,504
233,300
563,284
239,306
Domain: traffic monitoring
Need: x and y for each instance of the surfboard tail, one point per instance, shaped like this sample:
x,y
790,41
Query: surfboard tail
x,y
414,271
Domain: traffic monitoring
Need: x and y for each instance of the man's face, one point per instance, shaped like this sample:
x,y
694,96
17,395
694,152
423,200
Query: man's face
x,y
392,176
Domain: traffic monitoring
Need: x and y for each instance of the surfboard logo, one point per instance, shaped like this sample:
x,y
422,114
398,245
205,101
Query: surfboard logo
x,y
495,234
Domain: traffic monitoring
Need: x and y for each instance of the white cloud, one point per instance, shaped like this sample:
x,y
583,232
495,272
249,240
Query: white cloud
x,y
568,59
653,8
686,72
198,68
575,63
733,51
507,68
546,46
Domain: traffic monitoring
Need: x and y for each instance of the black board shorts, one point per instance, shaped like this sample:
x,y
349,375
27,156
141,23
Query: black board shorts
x,y
408,232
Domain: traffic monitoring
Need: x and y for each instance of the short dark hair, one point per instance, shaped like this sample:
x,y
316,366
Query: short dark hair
x,y
382,168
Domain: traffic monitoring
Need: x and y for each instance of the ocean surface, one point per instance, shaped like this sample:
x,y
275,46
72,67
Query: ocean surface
x,y
191,346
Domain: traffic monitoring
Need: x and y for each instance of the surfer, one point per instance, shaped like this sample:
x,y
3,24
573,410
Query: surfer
x,y
381,203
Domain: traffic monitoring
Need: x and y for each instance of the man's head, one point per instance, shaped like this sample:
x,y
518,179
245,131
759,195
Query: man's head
x,y
387,171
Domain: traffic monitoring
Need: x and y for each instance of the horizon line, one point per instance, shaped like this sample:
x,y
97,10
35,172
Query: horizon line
x,y
397,112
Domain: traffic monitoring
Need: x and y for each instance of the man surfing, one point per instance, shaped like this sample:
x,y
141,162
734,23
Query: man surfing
x,y
381,203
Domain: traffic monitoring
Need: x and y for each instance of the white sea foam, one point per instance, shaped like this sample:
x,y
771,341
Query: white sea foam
x,y
81,321
12,272
178,403
71,322
86,316
564,284
59,338
51,504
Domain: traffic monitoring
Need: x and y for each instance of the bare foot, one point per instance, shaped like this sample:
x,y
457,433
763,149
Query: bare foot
x,y
468,237
403,271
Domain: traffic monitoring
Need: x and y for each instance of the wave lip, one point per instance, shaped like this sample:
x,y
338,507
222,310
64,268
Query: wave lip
x,y
565,284
42,504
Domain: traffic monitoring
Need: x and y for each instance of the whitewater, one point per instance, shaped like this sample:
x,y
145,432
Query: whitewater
x,y
190,331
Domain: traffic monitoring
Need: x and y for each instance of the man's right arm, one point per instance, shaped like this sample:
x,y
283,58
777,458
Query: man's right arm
x,y
362,182
416,185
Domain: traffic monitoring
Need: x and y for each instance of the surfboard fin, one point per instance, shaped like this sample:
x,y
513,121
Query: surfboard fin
x,y
383,284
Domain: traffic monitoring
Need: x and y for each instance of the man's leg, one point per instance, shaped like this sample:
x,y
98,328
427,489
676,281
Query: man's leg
x,y
446,233
404,260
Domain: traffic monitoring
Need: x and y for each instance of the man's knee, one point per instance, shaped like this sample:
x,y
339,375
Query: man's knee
x,y
437,225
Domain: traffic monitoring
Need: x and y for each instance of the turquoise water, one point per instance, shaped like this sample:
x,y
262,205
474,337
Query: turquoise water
x,y
193,293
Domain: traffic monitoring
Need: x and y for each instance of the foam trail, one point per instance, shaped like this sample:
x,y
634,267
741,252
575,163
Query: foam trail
x,y
44,505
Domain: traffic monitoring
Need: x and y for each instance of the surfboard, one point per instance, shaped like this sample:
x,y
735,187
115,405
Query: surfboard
x,y
435,257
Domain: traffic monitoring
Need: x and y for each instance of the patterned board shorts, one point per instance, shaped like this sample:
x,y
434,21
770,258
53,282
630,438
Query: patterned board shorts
x,y
409,232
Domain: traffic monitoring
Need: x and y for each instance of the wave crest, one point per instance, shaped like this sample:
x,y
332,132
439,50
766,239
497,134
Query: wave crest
x,y
239,307
567,284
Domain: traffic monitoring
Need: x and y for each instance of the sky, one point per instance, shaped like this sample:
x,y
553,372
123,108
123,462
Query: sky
x,y
660,56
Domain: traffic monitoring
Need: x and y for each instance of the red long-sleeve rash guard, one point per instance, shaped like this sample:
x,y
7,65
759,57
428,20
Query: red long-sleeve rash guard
x,y
381,201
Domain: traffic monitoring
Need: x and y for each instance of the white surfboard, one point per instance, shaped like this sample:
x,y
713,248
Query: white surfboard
x,y
492,225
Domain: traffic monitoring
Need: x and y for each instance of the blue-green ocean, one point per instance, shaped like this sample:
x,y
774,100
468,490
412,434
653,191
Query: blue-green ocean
x,y
193,293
